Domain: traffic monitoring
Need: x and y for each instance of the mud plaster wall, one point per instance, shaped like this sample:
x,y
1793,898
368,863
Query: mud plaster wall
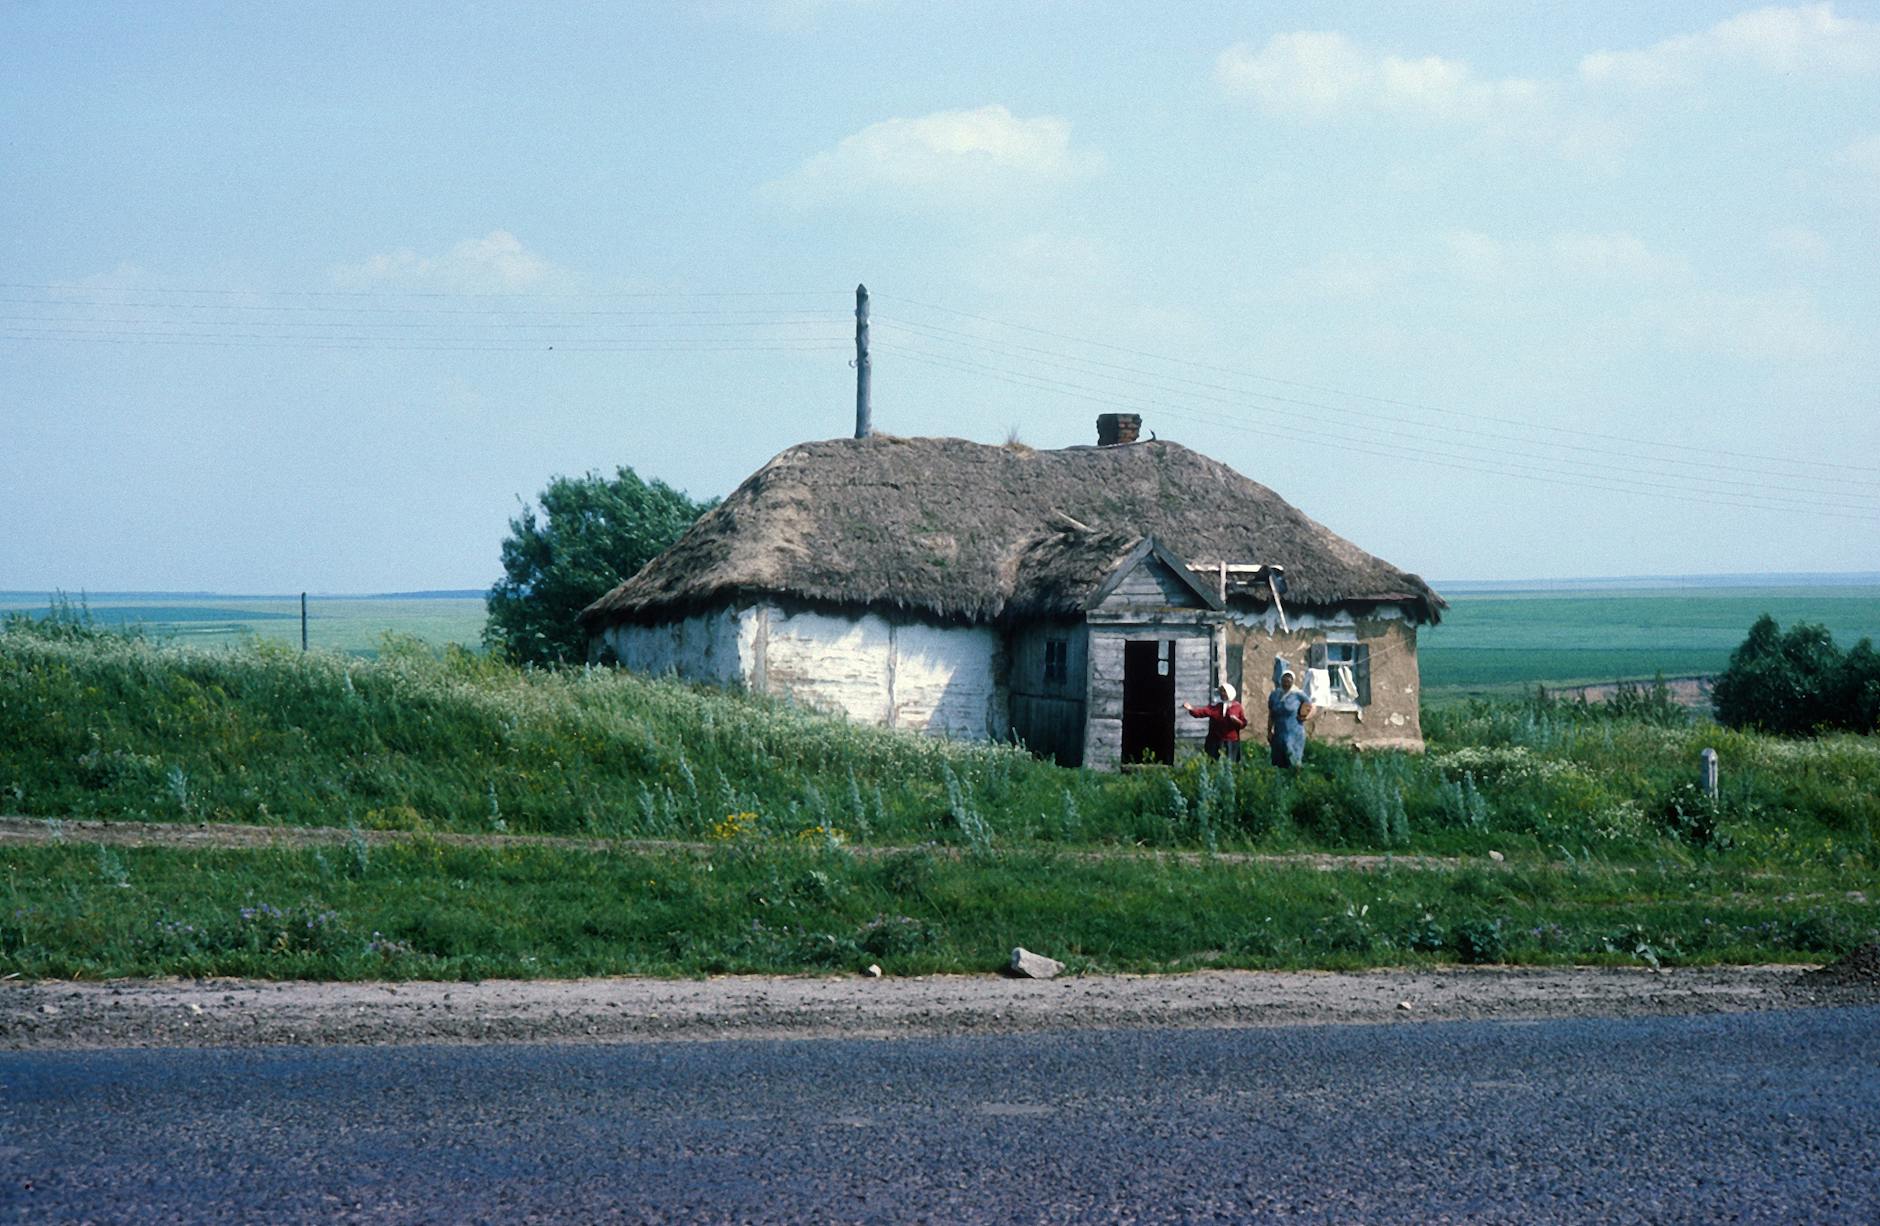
x,y
1391,721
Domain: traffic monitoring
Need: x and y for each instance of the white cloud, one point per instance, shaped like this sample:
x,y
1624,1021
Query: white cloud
x,y
948,158
1806,40
494,264
1323,74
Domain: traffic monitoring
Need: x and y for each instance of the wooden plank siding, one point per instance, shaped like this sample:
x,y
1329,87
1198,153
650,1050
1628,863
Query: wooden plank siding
x,y
1048,712
1150,603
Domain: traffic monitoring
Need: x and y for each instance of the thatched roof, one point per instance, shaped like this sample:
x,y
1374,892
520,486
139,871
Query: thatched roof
x,y
962,531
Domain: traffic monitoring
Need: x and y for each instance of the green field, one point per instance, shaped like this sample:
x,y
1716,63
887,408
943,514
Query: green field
x,y
350,624
1501,641
1489,642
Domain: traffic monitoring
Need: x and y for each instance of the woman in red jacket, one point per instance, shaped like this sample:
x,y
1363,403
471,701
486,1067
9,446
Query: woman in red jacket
x,y
1225,720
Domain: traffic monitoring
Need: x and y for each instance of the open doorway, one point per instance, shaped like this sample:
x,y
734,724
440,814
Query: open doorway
x,y
1149,701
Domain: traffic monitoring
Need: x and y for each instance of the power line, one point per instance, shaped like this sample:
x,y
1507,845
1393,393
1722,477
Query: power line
x,y
1417,455
402,293
350,308
1079,364
1694,485
803,321
1405,404
395,345
1414,456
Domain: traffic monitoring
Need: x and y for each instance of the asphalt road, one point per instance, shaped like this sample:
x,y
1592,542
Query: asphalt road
x,y
1747,1117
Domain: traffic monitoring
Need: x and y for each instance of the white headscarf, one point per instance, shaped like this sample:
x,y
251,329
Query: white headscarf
x,y
1228,692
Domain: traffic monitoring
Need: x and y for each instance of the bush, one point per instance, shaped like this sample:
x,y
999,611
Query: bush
x,y
1478,941
1798,682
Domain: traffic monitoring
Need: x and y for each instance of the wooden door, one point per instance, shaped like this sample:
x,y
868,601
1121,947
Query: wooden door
x,y
1149,701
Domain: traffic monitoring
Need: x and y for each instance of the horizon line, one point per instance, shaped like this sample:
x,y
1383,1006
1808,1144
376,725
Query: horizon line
x,y
1849,578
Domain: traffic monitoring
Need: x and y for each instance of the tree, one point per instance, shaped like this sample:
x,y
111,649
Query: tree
x,y
1798,681
1858,696
593,532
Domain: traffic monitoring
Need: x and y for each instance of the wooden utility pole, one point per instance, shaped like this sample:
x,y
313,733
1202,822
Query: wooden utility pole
x,y
303,621
864,409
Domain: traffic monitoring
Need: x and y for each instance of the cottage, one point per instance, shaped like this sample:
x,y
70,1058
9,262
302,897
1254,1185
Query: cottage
x,y
1073,599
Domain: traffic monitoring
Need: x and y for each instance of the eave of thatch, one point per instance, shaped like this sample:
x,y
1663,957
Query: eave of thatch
x,y
960,531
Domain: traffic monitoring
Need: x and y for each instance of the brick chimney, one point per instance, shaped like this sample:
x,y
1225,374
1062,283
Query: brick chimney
x,y
1114,429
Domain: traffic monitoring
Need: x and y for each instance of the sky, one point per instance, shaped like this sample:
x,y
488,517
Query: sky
x,y
316,297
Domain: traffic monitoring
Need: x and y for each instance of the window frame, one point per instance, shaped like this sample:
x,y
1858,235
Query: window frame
x,y
1057,661
1350,653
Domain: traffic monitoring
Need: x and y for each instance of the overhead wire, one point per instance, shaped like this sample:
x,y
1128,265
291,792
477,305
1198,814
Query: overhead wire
x,y
350,308
1086,365
1383,400
435,345
54,286
1691,485
316,323
1440,459
728,328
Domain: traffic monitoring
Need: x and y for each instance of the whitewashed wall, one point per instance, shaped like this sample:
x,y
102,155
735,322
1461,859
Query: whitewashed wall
x,y
943,680
706,647
948,680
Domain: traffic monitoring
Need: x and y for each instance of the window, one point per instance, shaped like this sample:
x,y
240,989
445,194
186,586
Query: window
x,y
1057,657
1347,665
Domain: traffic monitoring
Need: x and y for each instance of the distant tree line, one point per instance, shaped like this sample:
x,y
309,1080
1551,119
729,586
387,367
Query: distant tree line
x,y
593,531
1798,681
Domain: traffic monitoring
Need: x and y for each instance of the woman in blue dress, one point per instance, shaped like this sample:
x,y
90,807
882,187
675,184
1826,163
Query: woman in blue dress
x,y
1286,713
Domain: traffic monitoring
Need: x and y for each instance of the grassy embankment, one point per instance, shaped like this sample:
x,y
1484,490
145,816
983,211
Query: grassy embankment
x,y
1610,854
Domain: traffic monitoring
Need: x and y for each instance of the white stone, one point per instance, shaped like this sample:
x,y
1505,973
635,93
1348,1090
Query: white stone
x,y
1028,965
1496,856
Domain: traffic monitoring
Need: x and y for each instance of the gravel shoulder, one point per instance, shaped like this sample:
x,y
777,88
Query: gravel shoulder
x,y
240,1013
50,1015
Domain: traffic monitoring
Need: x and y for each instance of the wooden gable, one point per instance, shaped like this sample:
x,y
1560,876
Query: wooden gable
x,y
1151,578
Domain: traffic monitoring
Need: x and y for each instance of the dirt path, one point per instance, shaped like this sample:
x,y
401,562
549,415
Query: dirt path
x,y
212,1013
40,830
